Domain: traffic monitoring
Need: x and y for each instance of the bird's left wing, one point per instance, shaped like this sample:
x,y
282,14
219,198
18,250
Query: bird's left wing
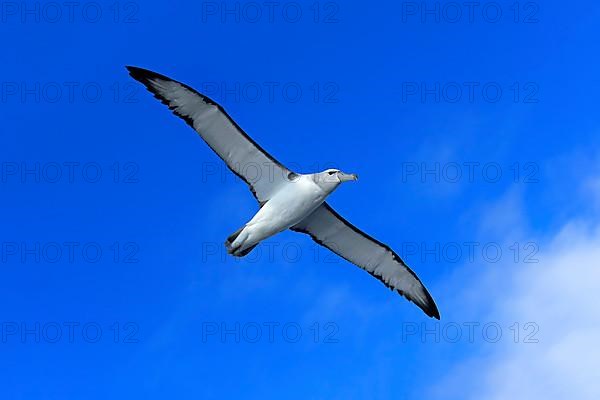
x,y
329,229
243,156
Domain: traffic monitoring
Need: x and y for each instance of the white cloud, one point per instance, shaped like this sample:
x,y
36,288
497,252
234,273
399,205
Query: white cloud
x,y
561,295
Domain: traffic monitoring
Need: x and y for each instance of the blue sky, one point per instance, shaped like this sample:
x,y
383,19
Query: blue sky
x,y
474,132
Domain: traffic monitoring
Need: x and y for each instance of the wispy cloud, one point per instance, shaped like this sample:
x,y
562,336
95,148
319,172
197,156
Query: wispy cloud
x,y
560,296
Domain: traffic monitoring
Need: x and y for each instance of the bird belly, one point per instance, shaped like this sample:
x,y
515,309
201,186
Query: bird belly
x,y
285,209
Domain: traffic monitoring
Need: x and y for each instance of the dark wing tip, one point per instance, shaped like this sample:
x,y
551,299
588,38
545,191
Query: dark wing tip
x,y
146,76
143,75
430,308
428,305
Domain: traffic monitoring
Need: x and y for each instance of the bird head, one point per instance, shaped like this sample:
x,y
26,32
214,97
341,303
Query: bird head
x,y
331,178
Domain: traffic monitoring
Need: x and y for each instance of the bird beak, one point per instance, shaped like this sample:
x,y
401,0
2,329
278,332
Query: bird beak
x,y
344,177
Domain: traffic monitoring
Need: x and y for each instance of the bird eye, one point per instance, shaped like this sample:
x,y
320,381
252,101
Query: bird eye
x,y
331,172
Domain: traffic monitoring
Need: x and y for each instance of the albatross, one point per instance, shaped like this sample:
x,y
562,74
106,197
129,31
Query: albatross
x,y
287,200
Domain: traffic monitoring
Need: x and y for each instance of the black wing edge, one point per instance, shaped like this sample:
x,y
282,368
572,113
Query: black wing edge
x,y
145,75
429,307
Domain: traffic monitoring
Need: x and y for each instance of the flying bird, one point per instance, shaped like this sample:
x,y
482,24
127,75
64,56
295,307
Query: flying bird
x,y
287,200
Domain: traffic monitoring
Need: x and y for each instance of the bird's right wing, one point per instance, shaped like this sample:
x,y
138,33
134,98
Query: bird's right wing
x,y
242,155
329,229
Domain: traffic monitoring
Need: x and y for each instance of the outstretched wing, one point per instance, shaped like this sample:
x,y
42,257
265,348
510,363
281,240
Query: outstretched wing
x,y
329,229
242,155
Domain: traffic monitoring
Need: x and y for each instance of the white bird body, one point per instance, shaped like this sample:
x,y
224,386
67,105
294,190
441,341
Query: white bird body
x,y
287,200
290,205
